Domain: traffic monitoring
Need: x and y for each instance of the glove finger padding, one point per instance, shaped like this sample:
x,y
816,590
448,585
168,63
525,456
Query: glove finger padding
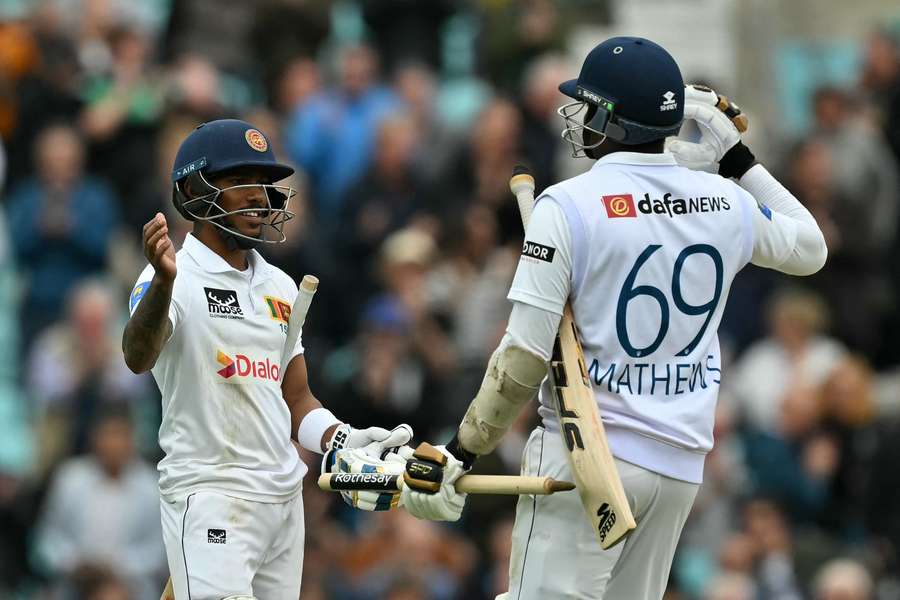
x,y
356,460
429,491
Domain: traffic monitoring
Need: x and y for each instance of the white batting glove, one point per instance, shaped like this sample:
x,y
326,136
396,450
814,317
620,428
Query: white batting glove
x,y
429,491
371,450
718,121
356,460
372,440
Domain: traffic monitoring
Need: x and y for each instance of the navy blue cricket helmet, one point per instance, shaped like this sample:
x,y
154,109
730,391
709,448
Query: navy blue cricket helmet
x,y
224,145
630,90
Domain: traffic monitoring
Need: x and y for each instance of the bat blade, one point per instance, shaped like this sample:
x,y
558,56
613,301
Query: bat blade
x,y
297,318
593,467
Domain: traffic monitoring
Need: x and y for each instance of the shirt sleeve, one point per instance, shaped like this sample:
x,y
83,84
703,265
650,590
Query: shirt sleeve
x,y
533,329
543,277
142,285
786,236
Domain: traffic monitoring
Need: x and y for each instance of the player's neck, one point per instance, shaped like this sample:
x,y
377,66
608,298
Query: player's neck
x,y
609,146
212,239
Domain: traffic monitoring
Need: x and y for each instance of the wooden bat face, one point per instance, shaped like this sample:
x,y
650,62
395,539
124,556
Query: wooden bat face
x,y
593,467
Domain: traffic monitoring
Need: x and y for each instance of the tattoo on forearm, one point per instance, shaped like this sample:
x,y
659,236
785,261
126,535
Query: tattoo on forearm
x,y
148,328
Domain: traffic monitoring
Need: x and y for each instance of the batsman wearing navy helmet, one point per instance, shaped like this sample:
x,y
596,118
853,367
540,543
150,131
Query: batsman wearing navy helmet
x,y
211,323
644,246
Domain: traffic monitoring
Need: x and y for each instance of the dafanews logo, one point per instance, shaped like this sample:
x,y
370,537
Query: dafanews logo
x,y
223,303
667,205
242,368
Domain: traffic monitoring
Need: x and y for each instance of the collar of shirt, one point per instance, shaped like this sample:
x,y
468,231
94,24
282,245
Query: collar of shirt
x,y
638,158
211,262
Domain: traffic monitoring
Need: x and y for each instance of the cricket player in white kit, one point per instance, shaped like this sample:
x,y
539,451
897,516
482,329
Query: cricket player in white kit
x,y
646,250
213,337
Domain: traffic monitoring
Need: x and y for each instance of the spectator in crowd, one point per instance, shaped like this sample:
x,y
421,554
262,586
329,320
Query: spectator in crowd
x,y
848,410
796,354
880,77
417,87
385,200
76,369
401,364
480,172
468,287
332,136
102,510
732,586
61,222
540,98
46,93
771,543
843,579
862,204
516,33
297,84
120,119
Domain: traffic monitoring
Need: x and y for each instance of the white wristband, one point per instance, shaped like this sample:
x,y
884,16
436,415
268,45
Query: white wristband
x,y
313,427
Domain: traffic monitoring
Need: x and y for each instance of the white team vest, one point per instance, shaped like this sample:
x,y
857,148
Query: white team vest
x,y
655,248
225,426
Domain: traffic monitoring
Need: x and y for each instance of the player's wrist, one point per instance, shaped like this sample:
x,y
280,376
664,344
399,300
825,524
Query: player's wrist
x,y
161,279
461,454
314,426
737,161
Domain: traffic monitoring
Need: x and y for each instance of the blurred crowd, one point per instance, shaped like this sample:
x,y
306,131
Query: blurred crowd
x,y
404,120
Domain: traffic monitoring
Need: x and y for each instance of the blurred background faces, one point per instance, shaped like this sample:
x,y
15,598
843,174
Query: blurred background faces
x,y
404,120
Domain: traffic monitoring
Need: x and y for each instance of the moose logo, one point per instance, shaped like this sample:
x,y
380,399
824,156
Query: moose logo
x,y
223,303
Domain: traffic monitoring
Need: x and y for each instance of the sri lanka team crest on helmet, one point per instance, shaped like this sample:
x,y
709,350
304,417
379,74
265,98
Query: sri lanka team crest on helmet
x,y
256,140
619,205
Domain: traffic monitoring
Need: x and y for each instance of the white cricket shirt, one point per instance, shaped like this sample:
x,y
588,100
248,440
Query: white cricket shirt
x,y
647,251
225,424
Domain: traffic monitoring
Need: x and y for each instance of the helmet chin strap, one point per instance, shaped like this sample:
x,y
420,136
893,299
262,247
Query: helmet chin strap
x,y
235,242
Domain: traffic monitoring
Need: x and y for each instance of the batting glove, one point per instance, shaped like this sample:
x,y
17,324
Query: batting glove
x,y
721,124
430,479
371,450
356,460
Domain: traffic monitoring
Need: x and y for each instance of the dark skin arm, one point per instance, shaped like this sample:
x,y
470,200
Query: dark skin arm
x,y
149,327
299,398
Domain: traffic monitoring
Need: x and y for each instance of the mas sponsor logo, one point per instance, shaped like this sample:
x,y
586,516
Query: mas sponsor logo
x,y
223,303
538,251
241,368
619,205
766,211
278,308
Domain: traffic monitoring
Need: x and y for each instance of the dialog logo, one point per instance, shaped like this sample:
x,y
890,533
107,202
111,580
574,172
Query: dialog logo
x,y
241,368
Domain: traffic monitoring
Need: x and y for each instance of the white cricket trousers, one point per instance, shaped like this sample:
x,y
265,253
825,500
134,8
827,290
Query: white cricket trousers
x,y
555,553
219,546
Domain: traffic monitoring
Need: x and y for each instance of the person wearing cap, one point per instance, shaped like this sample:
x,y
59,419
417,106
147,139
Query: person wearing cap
x,y
644,245
210,322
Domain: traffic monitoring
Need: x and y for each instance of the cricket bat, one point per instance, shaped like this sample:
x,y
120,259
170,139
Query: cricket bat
x,y
467,484
593,467
296,319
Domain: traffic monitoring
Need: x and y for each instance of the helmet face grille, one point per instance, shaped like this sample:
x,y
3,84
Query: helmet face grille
x,y
206,208
577,124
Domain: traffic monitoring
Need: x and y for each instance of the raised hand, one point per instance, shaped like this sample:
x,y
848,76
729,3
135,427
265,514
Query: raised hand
x,y
158,247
